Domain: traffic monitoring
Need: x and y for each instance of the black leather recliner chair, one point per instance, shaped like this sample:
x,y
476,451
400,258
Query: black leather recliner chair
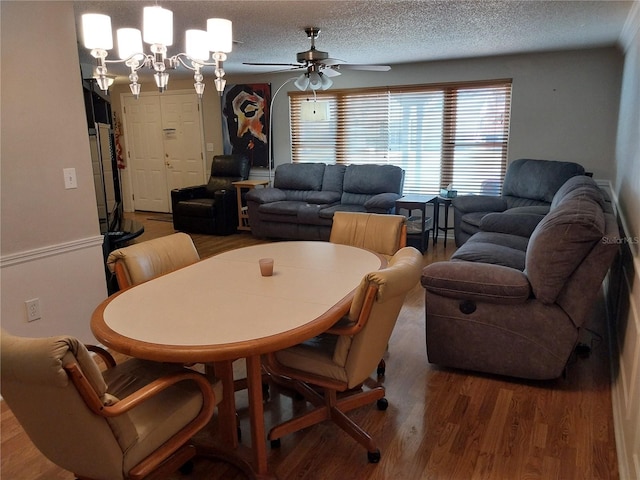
x,y
211,208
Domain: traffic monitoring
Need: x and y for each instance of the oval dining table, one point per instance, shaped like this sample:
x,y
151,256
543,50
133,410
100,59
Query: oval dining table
x,y
222,309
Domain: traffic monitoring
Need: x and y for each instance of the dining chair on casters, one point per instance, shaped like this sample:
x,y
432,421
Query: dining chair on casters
x,y
341,359
143,261
130,421
380,233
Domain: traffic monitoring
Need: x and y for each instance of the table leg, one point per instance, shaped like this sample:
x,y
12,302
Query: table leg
x,y
256,414
227,407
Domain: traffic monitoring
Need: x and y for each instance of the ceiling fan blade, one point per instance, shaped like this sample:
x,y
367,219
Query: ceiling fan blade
x,y
332,61
258,64
355,66
330,72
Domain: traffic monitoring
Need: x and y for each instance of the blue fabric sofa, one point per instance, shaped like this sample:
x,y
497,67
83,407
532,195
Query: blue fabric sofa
x,y
304,197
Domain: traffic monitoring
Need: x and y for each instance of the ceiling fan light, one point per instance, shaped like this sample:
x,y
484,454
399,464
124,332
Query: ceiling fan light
x,y
220,32
302,82
325,82
196,41
315,81
96,31
129,43
158,25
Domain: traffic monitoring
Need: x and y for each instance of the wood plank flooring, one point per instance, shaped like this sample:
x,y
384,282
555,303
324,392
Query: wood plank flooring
x,y
441,424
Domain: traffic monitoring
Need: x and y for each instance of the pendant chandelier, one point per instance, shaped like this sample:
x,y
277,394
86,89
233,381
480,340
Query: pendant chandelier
x,y
158,33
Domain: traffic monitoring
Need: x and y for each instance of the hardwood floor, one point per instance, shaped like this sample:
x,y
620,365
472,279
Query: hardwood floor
x,y
440,424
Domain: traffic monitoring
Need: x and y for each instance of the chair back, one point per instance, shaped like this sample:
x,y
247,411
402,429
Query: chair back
x,y
381,233
51,410
226,169
380,297
143,261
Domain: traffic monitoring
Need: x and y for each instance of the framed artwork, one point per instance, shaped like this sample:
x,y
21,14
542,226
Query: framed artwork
x,y
245,121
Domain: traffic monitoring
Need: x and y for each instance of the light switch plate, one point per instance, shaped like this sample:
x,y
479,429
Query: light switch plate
x,y
70,180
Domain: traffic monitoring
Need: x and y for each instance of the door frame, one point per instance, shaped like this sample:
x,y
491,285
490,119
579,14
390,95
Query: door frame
x,y
127,182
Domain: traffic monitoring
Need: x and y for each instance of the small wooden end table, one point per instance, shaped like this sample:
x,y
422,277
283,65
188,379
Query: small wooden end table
x,y
243,213
412,202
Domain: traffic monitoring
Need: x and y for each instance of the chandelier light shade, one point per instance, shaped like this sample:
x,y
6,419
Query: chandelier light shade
x,y
158,33
129,43
197,45
220,35
96,29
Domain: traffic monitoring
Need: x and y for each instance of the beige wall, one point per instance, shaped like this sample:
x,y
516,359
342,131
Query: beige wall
x,y
50,242
626,367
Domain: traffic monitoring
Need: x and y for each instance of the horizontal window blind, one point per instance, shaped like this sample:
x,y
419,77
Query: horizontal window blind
x,y
439,134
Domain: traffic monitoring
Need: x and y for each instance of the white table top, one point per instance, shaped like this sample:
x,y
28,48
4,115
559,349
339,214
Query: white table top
x,y
221,307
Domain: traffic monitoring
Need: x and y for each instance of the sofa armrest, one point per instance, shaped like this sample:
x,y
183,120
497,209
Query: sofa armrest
x,y
474,281
479,203
382,202
265,195
521,224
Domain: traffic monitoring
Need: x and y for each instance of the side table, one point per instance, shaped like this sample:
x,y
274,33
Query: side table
x,y
419,202
436,217
243,213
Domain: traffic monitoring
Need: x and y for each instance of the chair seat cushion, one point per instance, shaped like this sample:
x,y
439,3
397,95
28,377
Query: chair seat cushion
x,y
176,405
314,356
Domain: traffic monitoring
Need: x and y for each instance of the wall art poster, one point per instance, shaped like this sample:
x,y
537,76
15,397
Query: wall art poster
x,y
245,121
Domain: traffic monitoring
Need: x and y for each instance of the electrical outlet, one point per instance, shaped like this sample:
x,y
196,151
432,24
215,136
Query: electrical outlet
x,y
33,309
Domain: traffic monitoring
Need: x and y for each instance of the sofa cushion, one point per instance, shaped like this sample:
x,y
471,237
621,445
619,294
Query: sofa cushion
x,y
494,248
341,207
323,197
372,179
579,185
333,177
538,179
281,208
560,242
299,176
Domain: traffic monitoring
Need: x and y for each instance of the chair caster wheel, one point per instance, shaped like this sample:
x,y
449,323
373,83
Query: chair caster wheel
x,y
275,443
187,468
382,404
374,457
265,391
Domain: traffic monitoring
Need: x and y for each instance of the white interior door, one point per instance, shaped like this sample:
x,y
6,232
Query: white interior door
x,y
164,143
146,153
182,140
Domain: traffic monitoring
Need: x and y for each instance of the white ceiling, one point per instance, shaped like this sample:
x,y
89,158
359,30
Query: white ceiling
x,y
382,32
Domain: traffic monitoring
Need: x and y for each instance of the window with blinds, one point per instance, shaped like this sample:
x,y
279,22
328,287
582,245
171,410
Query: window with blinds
x,y
439,134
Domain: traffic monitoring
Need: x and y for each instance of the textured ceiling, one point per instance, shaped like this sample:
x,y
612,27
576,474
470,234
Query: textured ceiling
x,y
384,32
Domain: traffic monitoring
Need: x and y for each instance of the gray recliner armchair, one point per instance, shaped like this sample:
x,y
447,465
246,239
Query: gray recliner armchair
x,y
487,312
528,188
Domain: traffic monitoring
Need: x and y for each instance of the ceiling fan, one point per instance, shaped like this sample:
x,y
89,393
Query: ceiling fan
x,y
318,66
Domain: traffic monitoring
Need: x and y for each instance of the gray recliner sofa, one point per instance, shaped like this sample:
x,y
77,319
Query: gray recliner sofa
x,y
513,305
529,186
304,197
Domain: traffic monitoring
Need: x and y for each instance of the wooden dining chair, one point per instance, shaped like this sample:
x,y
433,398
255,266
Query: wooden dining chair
x,y
380,233
130,421
143,261
344,357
